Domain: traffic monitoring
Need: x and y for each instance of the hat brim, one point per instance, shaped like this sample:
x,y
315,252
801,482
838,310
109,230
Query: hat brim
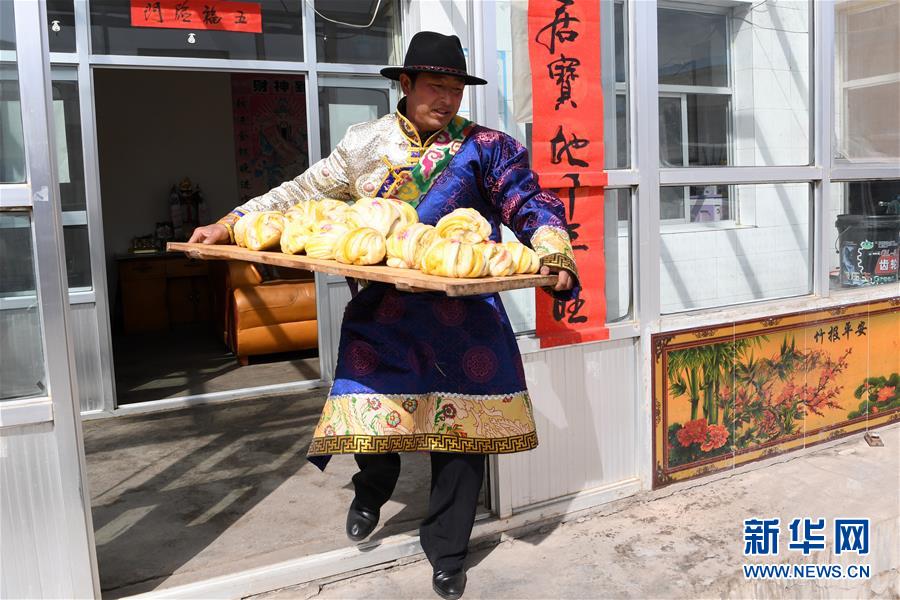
x,y
395,72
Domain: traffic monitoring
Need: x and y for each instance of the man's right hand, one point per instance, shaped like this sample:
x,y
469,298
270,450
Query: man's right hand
x,y
210,234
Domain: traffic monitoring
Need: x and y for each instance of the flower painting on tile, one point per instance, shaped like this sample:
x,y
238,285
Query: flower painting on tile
x,y
735,393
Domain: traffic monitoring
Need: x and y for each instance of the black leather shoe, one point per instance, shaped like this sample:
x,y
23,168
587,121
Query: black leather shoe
x,y
449,585
360,522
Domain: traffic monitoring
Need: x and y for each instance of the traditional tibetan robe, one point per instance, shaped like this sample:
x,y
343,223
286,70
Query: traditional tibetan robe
x,y
424,371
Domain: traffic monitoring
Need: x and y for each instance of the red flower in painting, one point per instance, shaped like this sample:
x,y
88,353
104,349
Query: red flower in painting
x,y
450,411
873,410
886,393
692,431
717,435
374,403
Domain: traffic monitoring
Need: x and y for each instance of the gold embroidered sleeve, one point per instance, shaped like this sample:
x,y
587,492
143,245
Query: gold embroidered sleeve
x,y
554,248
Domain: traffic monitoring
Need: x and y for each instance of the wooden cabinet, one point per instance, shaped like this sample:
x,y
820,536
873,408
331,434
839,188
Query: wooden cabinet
x,y
163,291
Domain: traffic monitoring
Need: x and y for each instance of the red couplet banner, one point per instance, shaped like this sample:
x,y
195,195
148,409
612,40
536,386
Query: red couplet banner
x,y
567,153
215,15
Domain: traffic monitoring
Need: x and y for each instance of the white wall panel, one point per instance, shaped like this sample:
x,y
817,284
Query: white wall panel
x,y
33,545
91,379
585,403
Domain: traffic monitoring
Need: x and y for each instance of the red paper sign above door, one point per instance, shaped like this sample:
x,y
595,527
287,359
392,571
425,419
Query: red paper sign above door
x,y
213,15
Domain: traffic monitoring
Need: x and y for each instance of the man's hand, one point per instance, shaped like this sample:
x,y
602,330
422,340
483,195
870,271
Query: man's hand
x,y
210,234
565,281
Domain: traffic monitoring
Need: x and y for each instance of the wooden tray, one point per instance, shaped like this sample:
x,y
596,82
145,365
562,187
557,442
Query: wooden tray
x,y
407,280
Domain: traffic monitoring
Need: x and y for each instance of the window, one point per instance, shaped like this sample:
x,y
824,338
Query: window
x,y
22,372
61,25
734,90
344,36
112,32
864,242
347,102
70,165
766,255
867,77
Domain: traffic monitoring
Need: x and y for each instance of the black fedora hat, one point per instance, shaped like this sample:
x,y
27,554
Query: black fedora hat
x,y
431,52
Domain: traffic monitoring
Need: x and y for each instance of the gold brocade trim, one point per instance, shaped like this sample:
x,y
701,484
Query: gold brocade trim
x,y
560,261
428,442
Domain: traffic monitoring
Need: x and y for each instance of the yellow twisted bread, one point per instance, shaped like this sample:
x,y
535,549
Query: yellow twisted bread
x,y
453,258
408,214
323,241
378,213
499,259
336,211
524,258
296,233
464,224
406,245
259,230
304,213
363,246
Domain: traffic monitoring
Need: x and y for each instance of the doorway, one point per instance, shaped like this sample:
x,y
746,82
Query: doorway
x,y
178,149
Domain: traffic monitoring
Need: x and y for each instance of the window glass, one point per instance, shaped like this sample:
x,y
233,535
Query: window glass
x,y
343,33
7,30
340,107
617,248
70,165
693,48
867,78
61,25
12,138
764,253
22,372
514,76
864,233
112,32
741,73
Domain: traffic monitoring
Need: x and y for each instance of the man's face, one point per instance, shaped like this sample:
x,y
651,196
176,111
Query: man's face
x,y
433,101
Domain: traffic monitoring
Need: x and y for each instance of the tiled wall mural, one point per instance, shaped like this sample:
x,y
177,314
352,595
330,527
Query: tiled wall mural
x,y
731,394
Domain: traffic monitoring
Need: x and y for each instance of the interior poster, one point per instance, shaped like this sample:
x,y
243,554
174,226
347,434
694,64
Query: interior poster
x,y
567,154
270,134
735,393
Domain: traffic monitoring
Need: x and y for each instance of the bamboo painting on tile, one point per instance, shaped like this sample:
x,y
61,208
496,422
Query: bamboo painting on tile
x,y
738,392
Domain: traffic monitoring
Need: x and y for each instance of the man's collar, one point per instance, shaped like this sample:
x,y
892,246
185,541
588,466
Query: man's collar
x,y
409,130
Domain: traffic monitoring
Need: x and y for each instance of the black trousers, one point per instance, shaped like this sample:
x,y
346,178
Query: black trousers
x,y
455,484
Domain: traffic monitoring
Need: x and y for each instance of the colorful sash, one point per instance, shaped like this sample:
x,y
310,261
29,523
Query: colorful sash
x,y
410,183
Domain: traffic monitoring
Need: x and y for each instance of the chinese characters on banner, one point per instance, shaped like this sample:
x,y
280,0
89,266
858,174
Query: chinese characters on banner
x,y
567,153
270,134
217,15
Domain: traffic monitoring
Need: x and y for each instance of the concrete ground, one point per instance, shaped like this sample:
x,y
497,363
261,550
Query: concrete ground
x,y
183,496
686,540
189,361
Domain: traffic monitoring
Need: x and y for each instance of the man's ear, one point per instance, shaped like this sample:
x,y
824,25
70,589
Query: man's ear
x,y
405,84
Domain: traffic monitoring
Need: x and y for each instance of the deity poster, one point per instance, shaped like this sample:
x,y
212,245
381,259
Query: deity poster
x,y
270,130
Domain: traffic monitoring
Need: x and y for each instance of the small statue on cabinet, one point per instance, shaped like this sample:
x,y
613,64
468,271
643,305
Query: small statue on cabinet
x,y
187,207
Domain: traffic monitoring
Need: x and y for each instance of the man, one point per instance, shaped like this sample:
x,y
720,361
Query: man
x,y
422,371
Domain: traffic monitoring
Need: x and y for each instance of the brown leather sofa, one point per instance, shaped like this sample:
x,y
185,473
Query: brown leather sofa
x,y
264,316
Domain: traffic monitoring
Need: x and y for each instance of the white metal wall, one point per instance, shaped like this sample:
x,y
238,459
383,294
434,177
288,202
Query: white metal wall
x,y
585,405
35,549
92,380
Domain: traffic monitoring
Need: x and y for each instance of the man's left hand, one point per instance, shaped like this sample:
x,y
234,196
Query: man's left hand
x,y
565,280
